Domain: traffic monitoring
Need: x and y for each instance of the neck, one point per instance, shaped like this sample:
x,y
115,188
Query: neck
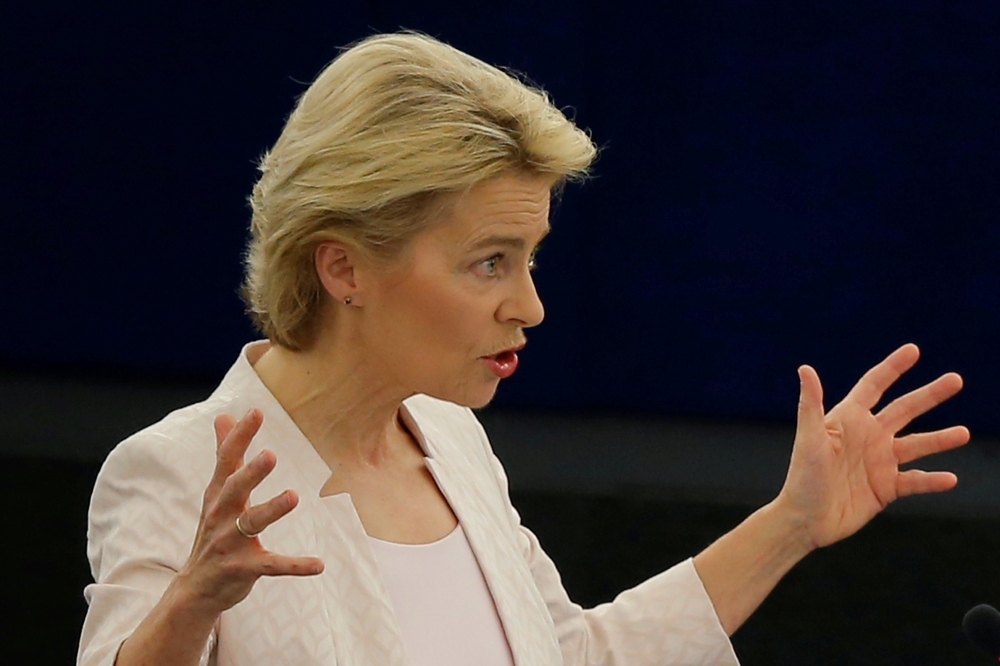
x,y
348,413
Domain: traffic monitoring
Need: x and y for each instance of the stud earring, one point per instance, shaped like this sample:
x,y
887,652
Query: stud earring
x,y
347,301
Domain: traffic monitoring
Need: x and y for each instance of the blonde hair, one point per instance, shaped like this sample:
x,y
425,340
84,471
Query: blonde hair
x,y
389,126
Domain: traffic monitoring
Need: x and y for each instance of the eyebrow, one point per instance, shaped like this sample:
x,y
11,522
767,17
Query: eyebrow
x,y
515,242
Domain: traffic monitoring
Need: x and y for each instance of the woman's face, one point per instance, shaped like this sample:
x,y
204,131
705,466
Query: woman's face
x,y
447,318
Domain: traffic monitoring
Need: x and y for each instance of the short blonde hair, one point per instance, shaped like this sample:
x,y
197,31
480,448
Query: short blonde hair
x,y
389,126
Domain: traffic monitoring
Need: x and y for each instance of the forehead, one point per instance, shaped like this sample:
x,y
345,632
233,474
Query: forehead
x,y
508,205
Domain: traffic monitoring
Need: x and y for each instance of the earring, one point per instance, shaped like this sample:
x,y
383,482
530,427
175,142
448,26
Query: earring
x,y
347,301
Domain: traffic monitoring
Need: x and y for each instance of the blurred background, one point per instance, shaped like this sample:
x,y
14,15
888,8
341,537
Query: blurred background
x,y
780,183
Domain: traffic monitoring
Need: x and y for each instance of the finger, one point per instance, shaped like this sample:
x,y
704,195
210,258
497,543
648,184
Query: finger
x,y
922,444
224,424
257,518
810,416
904,409
869,389
236,490
917,481
232,449
282,565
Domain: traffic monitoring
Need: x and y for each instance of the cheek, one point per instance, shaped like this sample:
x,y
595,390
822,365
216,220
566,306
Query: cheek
x,y
434,319
432,336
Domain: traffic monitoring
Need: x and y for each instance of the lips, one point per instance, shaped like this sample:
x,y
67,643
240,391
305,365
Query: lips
x,y
503,364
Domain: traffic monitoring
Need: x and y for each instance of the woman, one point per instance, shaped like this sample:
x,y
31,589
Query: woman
x,y
355,514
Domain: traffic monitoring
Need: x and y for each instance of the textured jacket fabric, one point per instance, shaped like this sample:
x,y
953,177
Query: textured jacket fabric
x,y
145,510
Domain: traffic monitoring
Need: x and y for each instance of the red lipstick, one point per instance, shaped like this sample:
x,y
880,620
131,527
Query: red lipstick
x,y
503,364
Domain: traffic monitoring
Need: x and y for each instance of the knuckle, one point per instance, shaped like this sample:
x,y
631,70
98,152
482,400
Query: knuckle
x,y
217,546
236,568
232,570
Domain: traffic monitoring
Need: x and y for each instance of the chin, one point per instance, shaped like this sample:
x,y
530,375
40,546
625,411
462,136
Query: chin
x,y
471,399
479,404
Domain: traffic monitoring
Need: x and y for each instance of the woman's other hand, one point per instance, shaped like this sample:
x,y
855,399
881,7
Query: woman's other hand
x,y
225,562
845,462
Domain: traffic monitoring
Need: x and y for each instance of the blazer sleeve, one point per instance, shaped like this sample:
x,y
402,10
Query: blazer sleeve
x,y
668,620
144,513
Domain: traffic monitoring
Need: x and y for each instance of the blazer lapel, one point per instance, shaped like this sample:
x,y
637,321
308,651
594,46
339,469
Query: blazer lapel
x,y
364,621
526,622
353,617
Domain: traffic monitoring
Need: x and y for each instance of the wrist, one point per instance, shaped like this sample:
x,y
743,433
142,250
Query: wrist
x,y
742,567
185,602
174,632
792,525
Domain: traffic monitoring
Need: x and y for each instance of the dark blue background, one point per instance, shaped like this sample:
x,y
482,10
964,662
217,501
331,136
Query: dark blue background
x,y
781,182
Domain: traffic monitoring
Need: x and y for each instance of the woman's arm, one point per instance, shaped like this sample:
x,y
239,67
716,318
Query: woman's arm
x,y
741,568
176,631
844,470
668,619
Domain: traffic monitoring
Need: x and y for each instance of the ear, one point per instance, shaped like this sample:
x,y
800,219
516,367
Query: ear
x,y
336,263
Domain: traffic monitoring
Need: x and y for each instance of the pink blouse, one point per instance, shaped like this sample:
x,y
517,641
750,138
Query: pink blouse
x,y
445,612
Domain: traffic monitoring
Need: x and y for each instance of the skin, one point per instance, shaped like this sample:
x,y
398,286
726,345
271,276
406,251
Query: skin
x,y
844,470
463,290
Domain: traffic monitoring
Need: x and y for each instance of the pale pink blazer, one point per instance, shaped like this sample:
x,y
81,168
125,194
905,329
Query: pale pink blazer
x,y
145,509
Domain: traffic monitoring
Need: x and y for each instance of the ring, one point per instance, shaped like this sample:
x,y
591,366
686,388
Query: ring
x,y
239,528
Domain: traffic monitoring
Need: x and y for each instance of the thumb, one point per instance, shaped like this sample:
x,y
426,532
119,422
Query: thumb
x,y
811,414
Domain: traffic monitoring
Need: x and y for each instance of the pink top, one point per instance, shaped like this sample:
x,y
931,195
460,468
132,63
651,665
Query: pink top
x,y
443,606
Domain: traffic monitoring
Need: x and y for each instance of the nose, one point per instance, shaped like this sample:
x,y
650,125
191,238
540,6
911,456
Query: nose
x,y
522,305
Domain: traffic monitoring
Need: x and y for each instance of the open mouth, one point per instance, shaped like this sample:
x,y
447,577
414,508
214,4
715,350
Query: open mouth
x,y
503,364
508,356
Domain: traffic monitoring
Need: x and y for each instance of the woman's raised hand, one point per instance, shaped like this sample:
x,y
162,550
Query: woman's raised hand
x,y
227,558
224,562
845,463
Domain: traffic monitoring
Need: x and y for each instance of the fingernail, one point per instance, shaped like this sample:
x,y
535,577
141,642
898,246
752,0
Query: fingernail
x,y
249,413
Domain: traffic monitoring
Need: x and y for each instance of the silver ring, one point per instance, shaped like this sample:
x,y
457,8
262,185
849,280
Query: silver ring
x,y
239,528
